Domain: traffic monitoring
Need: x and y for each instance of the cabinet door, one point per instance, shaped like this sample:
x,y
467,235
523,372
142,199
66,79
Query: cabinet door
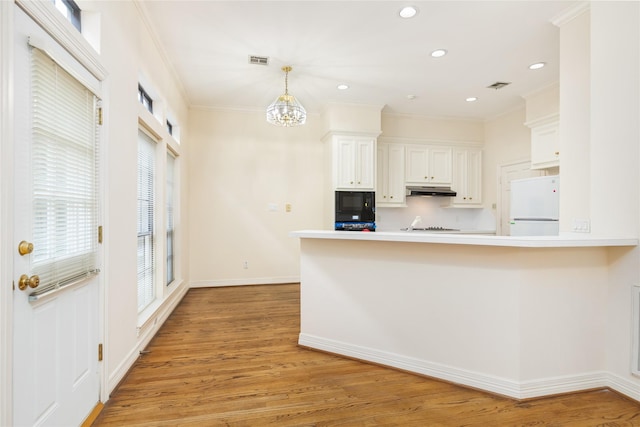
x,y
467,177
395,176
439,167
345,163
382,190
474,177
416,164
544,146
459,181
365,164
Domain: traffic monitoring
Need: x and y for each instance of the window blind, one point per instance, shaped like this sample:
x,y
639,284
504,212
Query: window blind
x,y
146,211
171,161
65,174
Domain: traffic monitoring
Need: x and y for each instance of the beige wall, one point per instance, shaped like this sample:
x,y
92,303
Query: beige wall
x,y
127,52
506,140
243,171
575,120
435,129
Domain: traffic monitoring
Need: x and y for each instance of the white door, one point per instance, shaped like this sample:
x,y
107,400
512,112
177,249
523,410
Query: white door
x,y
55,334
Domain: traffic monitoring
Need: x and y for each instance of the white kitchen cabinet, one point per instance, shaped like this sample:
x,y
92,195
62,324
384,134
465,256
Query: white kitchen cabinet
x,y
391,187
545,142
354,162
467,177
427,164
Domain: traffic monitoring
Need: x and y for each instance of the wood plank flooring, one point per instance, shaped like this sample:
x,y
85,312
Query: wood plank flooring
x,y
229,357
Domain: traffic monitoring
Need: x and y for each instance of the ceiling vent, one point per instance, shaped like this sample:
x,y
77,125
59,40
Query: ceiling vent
x,y
498,85
258,60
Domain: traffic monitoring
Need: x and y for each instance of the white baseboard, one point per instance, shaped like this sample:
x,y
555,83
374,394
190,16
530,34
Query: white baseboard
x,y
628,387
247,281
493,384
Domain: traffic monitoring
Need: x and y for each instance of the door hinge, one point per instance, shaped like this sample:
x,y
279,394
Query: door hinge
x,y
100,352
99,234
100,116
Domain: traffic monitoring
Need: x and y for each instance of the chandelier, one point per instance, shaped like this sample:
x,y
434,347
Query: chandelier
x,y
286,110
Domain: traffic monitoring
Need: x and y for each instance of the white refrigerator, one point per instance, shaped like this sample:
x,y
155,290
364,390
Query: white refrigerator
x,y
535,206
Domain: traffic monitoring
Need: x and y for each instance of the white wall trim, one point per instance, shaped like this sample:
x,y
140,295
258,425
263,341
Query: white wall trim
x,y
493,384
624,386
45,15
248,281
6,212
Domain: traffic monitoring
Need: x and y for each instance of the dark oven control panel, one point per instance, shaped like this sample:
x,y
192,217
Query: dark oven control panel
x,y
355,226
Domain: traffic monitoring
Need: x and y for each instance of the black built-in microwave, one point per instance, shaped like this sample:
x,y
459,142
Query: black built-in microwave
x,y
355,210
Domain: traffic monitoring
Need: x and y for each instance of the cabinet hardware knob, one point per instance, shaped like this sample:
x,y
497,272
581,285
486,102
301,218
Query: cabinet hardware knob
x,y
557,153
391,197
351,182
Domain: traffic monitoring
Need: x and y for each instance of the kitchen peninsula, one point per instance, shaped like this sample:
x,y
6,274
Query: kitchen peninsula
x,y
516,316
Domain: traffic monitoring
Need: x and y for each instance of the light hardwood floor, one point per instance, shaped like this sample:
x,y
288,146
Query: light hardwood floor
x,y
229,357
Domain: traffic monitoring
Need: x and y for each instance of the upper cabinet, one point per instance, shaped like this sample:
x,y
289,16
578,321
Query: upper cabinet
x,y
354,162
391,187
543,118
429,165
467,177
545,141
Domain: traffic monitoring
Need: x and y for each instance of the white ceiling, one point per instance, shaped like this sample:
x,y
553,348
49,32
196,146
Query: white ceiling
x,y
364,44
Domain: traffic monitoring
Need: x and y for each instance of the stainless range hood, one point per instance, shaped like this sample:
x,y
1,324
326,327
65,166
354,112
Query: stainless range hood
x,y
431,191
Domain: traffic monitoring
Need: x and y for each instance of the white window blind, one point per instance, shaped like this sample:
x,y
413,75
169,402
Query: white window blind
x,y
146,218
65,175
171,161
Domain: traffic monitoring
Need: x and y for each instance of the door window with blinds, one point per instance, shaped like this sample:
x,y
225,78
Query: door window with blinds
x,y
146,220
65,175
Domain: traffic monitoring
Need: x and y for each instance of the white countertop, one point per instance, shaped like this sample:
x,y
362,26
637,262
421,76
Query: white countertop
x,y
567,240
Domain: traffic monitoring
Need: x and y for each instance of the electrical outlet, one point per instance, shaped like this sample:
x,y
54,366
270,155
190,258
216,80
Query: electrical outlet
x,y
245,265
580,225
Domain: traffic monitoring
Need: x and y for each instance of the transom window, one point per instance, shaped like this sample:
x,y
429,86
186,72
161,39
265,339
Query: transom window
x,y
145,99
70,10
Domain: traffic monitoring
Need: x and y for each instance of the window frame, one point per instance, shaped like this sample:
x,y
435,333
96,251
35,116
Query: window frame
x,y
170,218
149,264
153,124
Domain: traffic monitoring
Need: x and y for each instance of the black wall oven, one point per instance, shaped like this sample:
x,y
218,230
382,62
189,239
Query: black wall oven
x,y
355,210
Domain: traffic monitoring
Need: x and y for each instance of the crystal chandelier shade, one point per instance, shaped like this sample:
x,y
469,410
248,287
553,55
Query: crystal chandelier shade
x,y
286,111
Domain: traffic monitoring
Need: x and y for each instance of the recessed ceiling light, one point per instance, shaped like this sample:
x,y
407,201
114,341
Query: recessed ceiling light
x,y
408,12
411,97
439,53
343,86
471,99
537,66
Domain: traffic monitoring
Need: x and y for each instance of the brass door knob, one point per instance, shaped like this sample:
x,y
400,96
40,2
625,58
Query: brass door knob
x,y
25,248
31,282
